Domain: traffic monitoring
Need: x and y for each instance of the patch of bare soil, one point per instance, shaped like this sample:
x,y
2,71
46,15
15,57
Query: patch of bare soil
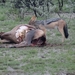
x,y
70,74
7,45
65,73
52,45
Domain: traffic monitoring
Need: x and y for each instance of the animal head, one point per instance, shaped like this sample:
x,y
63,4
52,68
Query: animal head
x,y
32,20
39,37
39,33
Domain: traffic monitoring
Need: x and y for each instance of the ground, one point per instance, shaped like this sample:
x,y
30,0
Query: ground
x,y
56,58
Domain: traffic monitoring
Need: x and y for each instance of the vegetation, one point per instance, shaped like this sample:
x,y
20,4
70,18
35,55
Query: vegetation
x,y
56,59
40,7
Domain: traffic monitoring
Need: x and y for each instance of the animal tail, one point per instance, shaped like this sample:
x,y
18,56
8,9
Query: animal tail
x,y
66,31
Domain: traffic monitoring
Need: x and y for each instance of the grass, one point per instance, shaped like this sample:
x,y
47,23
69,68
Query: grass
x,y
37,60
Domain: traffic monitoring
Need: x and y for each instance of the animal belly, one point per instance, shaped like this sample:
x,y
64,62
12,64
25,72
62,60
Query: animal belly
x,y
52,26
20,33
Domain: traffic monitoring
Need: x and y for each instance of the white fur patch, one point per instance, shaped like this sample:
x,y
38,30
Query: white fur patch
x,y
20,31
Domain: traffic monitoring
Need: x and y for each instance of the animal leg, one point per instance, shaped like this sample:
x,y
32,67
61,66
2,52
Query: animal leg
x,y
62,33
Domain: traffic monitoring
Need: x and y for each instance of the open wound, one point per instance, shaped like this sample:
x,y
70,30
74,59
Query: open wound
x,y
20,33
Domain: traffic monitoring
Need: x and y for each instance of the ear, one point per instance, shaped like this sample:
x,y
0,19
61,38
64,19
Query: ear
x,y
33,18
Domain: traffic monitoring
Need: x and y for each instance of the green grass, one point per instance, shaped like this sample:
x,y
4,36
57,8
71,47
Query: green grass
x,y
37,60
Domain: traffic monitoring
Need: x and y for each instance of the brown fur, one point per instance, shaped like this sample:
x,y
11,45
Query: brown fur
x,y
60,24
10,35
33,36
